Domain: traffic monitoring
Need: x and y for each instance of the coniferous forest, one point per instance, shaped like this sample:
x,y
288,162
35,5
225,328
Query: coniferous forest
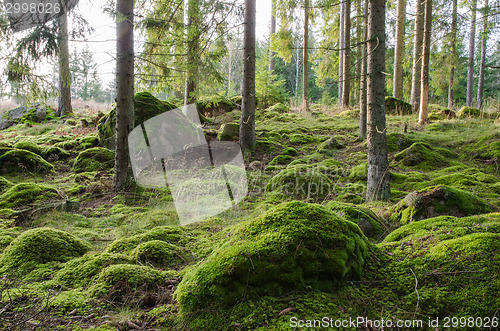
x,y
250,165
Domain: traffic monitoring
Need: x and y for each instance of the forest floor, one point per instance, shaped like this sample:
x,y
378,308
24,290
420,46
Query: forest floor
x,y
74,255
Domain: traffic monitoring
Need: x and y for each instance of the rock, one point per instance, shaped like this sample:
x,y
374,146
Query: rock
x,y
395,106
255,165
399,141
94,159
292,247
24,194
421,155
438,200
437,112
327,147
29,146
368,222
279,108
146,107
469,112
34,113
159,253
17,160
214,106
229,132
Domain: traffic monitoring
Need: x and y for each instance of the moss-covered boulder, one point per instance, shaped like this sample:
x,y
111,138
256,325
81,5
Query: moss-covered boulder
x,y
302,139
359,172
229,132
26,113
159,253
132,284
469,112
368,222
302,181
437,112
146,107
329,146
38,246
4,184
55,153
17,160
281,160
396,106
80,271
289,248
29,146
279,108
94,159
213,106
398,141
438,200
421,155
24,194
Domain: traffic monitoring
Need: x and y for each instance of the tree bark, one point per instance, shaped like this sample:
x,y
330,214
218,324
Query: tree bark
x,y
363,83
272,55
484,39
305,62
124,90
247,122
453,55
423,115
378,187
341,53
64,99
346,74
399,50
417,56
470,67
192,37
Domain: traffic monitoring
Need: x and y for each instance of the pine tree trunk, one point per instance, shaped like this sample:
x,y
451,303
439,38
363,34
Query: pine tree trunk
x,y
484,39
124,90
305,62
346,75
417,56
423,115
272,55
64,100
363,83
378,187
470,67
341,53
399,50
192,37
247,122
453,54
359,38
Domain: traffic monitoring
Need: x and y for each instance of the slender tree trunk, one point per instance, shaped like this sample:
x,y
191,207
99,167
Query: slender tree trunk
x,y
453,54
64,100
230,69
470,67
363,84
346,76
359,59
124,90
272,55
192,38
484,39
417,56
399,51
247,122
378,187
423,115
305,62
341,53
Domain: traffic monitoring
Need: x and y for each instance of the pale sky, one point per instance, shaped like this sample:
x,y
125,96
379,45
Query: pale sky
x,y
104,26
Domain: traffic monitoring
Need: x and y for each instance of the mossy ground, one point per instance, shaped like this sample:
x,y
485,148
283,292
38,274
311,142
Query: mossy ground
x,y
270,258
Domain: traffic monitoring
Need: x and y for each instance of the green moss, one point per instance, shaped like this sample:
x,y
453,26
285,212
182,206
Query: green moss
x,y
67,145
302,181
24,194
437,112
290,247
469,112
4,150
302,139
395,106
366,219
80,271
38,246
17,160
359,172
214,105
55,153
131,284
290,151
94,159
399,141
279,108
438,200
421,155
88,142
349,113
146,107
159,254
281,160
329,146
29,146
4,184
169,234
229,132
